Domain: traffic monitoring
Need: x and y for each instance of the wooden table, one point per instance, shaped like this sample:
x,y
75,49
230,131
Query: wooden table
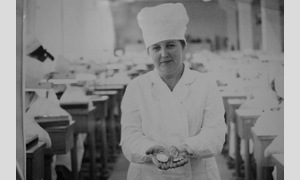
x,y
120,88
228,95
278,160
229,108
101,104
112,124
261,141
62,140
35,162
231,95
246,119
83,114
233,105
110,87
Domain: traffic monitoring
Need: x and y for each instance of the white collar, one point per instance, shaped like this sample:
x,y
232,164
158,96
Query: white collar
x,y
187,77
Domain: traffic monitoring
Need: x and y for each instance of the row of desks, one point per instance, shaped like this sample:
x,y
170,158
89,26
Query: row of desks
x,y
87,119
233,101
244,120
39,158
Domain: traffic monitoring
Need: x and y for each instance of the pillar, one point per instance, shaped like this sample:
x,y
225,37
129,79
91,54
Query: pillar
x,y
245,26
230,8
271,26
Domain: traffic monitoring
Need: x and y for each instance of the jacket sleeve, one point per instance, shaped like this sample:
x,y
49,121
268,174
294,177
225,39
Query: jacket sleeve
x,y
210,139
133,141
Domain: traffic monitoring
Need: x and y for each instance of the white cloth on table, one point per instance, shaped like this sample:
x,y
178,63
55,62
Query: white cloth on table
x,y
263,100
270,122
31,128
45,107
118,78
276,147
50,107
74,94
192,113
41,107
65,159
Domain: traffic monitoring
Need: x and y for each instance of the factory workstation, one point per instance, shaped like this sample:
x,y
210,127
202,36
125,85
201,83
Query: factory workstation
x,y
150,90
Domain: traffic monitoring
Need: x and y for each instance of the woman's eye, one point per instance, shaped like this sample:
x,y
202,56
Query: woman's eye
x,y
155,48
170,46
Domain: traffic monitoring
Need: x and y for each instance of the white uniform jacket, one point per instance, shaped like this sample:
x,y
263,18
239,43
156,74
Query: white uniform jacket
x,y
191,114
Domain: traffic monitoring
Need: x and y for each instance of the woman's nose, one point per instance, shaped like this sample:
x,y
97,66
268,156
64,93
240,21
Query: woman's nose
x,y
164,52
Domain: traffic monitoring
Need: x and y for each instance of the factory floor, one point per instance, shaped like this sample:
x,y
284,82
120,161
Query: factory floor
x,y
121,166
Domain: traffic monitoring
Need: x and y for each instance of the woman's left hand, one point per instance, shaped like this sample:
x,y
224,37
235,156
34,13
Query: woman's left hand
x,y
158,164
179,163
184,148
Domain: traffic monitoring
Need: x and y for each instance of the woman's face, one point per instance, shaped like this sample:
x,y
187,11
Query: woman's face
x,y
167,56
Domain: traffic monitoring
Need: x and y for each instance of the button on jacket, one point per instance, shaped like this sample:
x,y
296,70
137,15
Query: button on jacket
x,y
191,114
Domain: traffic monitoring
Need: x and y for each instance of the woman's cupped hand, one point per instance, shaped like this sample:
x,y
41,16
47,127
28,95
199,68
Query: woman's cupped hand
x,y
163,160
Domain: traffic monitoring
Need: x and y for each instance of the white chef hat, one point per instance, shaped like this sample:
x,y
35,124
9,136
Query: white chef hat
x,y
32,43
163,22
35,70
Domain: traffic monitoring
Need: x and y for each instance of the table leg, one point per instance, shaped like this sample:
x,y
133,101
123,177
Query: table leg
x,y
259,171
113,136
280,174
118,121
104,155
228,119
227,140
74,160
92,157
48,161
237,153
247,160
112,128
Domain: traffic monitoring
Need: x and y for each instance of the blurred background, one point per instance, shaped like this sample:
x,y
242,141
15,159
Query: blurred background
x,y
75,58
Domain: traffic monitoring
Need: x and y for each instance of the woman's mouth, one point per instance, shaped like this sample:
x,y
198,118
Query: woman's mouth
x,y
165,61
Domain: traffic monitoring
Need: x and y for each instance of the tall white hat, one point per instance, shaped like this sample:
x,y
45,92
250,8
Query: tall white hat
x,y
163,22
35,70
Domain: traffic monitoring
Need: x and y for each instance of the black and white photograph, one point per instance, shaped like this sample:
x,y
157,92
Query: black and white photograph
x,y
150,90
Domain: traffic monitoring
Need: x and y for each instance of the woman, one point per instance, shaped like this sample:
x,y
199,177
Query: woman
x,y
171,106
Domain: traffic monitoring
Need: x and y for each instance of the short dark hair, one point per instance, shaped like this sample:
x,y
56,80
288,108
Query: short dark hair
x,y
182,42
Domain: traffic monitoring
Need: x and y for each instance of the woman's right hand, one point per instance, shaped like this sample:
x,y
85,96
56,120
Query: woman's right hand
x,y
153,151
